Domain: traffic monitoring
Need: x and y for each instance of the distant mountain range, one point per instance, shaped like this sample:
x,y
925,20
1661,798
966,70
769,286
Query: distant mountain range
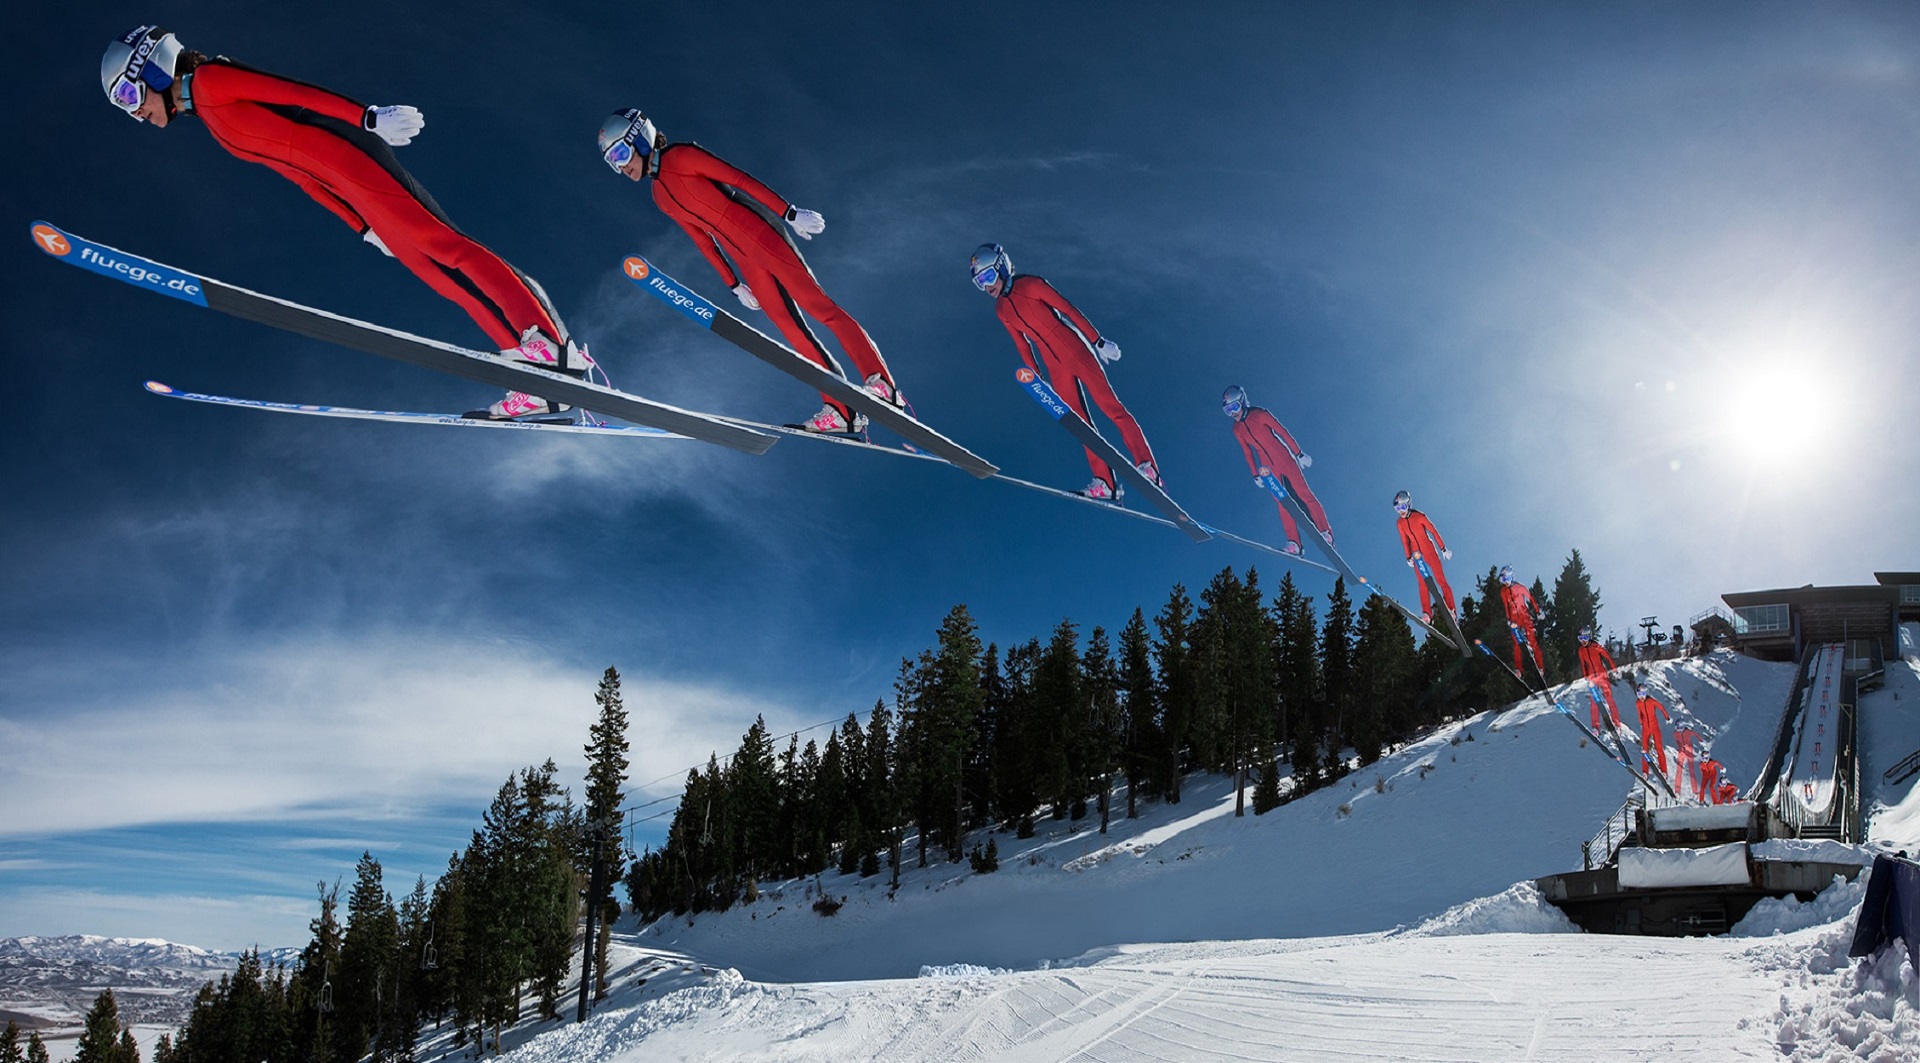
x,y
49,982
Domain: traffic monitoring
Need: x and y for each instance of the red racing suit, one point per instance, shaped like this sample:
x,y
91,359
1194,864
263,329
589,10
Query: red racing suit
x,y
313,138
1683,745
715,202
1710,781
1041,320
1415,532
1518,601
1650,737
1595,663
1268,445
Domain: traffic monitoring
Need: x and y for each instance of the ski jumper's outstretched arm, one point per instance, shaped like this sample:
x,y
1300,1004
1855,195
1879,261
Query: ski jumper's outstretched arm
x,y
1038,288
1021,341
220,82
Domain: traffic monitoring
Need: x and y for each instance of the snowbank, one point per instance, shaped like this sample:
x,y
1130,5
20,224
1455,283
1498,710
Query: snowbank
x,y
1720,865
1834,1008
1821,849
1520,909
1783,915
1702,817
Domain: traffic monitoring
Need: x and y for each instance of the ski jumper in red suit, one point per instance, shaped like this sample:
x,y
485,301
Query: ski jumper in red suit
x,y
1595,663
1683,745
1037,318
715,203
1710,781
1270,447
1650,737
1415,531
1520,609
313,138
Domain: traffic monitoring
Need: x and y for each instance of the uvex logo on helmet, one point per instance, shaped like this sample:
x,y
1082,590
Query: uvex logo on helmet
x,y
1023,375
51,241
637,267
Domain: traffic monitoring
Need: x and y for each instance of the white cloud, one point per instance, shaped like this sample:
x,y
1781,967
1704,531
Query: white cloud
x,y
323,726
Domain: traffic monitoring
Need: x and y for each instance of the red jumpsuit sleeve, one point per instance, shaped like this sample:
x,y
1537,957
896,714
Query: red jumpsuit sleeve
x,y
1600,653
704,163
1406,536
1272,424
217,83
1044,292
1433,531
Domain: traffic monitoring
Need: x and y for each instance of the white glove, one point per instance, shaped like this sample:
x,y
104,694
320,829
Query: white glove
x,y
805,222
1413,561
1107,350
374,238
1306,460
395,125
1448,554
746,296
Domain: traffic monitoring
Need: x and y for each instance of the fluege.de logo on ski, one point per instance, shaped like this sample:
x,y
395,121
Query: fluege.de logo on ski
x,y
51,240
637,268
119,265
1023,375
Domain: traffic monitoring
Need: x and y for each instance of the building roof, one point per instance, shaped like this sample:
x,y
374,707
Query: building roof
x,y
1896,579
1812,595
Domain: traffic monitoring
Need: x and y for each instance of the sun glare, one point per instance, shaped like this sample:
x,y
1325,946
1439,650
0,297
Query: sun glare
x,y
1777,414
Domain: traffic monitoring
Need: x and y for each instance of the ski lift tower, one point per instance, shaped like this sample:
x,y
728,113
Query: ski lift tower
x,y
1647,624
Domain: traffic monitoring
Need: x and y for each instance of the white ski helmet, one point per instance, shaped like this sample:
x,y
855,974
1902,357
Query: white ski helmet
x,y
1586,634
1402,500
1506,573
625,134
989,264
1233,401
142,59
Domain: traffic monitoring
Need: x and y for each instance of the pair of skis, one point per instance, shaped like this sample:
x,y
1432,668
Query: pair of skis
x,y
1620,753
655,419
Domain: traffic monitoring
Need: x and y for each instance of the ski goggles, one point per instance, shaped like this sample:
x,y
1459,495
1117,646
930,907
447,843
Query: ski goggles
x,y
1232,407
1584,637
987,278
622,152
128,93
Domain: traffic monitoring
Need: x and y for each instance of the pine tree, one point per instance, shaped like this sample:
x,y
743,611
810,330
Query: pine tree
x,y
607,764
1337,678
100,1041
37,1049
1296,662
1575,604
1104,735
1140,707
1384,666
10,1048
364,982
1178,686
1060,710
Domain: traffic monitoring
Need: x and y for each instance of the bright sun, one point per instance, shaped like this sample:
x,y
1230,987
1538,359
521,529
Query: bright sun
x,y
1777,414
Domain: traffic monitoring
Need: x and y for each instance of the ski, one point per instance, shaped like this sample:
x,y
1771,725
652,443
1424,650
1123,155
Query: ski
x,y
1091,438
401,417
1440,601
1561,707
304,320
1628,752
649,278
1279,491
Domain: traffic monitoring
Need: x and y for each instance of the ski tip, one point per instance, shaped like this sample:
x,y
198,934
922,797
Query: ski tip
x,y
158,388
49,238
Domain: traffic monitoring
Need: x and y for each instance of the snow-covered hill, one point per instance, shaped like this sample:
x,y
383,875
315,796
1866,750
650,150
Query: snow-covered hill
x,y
1387,918
48,983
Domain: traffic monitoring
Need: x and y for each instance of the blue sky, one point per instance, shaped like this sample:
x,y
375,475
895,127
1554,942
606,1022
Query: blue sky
x,y
1637,279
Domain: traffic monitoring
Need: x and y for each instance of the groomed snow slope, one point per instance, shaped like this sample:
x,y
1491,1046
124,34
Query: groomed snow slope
x,y
1497,975
1443,821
